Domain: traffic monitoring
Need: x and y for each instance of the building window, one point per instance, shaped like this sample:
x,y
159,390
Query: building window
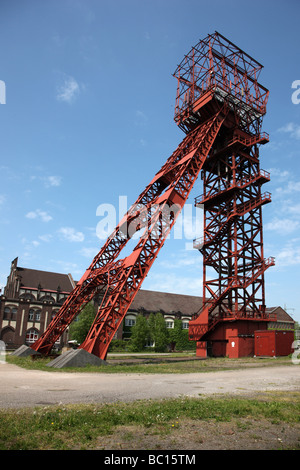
x,y
27,296
10,313
34,315
169,323
14,312
185,325
31,315
31,336
6,313
129,322
47,298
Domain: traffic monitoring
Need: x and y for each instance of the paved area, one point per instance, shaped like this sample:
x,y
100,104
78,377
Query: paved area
x,y
21,388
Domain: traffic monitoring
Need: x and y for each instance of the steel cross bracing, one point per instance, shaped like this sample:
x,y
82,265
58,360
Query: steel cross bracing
x,y
232,246
155,213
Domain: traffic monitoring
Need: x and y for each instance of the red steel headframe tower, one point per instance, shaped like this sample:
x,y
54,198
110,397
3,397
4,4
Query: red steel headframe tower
x,y
216,71
219,106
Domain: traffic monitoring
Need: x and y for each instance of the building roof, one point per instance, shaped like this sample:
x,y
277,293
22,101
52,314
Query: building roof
x,y
281,315
164,302
33,278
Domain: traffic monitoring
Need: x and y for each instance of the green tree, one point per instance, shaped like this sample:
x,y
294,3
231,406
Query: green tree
x,y
80,327
140,332
161,336
151,327
179,338
175,335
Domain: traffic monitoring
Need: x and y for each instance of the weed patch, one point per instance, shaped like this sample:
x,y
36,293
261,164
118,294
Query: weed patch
x,y
81,426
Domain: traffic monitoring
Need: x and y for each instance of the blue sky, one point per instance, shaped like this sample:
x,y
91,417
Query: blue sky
x,y
88,117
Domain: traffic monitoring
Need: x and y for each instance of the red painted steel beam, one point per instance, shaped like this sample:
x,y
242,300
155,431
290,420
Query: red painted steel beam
x,y
124,286
169,189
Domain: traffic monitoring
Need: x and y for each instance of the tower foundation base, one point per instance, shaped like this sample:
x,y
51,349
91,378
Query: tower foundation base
x,y
76,358
24,351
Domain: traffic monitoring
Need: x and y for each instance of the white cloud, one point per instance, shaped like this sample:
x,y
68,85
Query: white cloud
x,y
68,91
38,214
70,234
290,254
182,260
45,238
292,129
89,252
52,181
68,267
282,226
29,244
293,208
172,283
282,174
291,187
285,178
49,181
2,199
141,118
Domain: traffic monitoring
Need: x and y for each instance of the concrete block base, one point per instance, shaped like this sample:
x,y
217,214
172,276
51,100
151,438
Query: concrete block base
x,y
24,351
76,358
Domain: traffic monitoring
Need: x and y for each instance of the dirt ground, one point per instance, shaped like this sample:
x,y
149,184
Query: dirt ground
x,y
241,434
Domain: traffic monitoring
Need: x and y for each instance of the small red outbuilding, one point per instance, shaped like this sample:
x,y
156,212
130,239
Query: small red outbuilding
x,y
273,343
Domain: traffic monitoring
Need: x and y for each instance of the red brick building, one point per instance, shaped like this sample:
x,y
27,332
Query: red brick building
x,y
31,298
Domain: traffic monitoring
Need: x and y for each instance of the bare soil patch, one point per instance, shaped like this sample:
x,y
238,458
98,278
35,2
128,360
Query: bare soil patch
x,y
241,434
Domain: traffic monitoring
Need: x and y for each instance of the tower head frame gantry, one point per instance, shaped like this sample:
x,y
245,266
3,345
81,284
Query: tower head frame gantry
x,y
215,69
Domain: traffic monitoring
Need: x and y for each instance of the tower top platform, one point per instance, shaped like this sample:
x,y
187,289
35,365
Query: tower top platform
x,y
216,70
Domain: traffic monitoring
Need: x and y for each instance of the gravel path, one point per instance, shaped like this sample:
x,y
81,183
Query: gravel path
x,y
21,388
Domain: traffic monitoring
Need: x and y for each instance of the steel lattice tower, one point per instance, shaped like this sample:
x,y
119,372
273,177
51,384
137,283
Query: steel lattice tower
x,y
216,71
220,106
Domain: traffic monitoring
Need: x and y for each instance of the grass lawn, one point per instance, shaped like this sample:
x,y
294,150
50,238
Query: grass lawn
x,y
155,363
83,426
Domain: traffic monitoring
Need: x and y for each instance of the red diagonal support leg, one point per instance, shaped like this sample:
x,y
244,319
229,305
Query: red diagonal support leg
x,y
129,275
90,281
155,211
